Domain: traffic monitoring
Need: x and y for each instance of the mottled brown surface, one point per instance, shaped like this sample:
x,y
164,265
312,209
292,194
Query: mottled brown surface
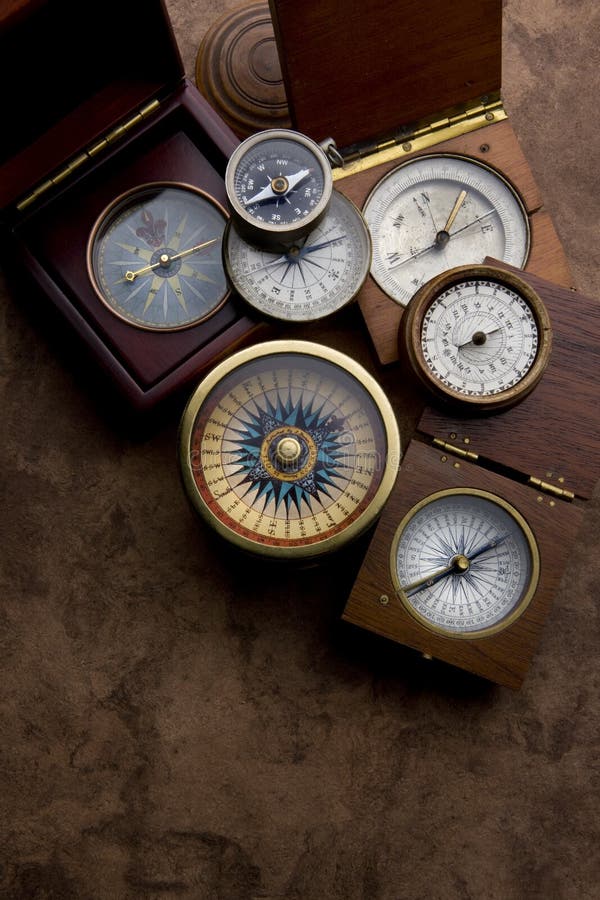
x,y
174,724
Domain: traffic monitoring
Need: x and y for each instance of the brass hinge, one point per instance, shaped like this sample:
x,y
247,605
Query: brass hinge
x,y
455,451
547,488
114,135
454,122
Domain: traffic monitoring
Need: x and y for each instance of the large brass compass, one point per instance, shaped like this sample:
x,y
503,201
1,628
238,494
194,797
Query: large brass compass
x,y
289,449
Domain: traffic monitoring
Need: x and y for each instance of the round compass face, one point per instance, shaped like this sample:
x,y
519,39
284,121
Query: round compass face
x,y
307,279
278,185
154,256
477,336
464,563
289,449
438,211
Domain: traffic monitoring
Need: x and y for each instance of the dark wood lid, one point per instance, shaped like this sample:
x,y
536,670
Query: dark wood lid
x,y
71,72
356,71
554,434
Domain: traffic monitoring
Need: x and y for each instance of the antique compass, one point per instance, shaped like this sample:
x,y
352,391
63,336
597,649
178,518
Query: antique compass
x,y
279,185
308,278
438,211
289,449
464,562
478,337
154,256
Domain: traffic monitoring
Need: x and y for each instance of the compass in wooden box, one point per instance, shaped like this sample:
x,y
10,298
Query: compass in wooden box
x,y
112,191
410,93
478,529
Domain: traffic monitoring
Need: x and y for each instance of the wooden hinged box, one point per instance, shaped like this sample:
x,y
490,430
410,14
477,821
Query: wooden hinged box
x,y
389,81
95,105
542,456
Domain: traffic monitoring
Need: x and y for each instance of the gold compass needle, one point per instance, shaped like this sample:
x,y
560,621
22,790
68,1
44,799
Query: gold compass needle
x,y
166,259
194,249
454,211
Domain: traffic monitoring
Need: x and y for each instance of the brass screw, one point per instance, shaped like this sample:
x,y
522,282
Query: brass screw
x,y
406,147
467,440
453,435
489,116
457,465
384,599
484,148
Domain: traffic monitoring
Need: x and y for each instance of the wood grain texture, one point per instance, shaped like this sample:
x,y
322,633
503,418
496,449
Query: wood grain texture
x,y
503,657
354,71
185,142
497,146
554,433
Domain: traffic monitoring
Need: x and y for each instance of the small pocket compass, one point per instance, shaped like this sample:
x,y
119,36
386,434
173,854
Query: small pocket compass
x,y
289,449
309,278
439,211
154,256
279,185
477,337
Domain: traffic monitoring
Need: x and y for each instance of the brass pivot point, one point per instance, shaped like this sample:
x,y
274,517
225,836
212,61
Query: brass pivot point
x,y
461,563
288,451
164,260
279,185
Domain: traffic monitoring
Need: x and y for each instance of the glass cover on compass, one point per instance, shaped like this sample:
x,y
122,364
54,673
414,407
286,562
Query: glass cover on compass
x,y
289,449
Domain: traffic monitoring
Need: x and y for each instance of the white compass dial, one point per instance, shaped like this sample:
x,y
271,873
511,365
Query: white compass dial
x,y
436,212
479,337
464,562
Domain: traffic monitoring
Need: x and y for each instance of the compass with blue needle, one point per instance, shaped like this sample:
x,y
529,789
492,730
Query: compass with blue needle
x,y
289,449
154,256
464,562
309,278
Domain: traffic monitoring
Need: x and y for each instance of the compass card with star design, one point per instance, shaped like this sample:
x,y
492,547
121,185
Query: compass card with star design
x,y
289,449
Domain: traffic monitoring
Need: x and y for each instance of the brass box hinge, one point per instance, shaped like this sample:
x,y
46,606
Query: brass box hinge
x,y
455,451
114,135
454,122
552,489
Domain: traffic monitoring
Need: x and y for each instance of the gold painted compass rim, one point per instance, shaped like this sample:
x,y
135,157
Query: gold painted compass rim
x,y
365,380
521,605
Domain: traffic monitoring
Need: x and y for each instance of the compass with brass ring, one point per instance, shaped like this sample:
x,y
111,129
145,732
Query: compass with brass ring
x,y
477,338
154,256
289,449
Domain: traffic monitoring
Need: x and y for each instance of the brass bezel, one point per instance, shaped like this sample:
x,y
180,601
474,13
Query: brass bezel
x,y
409,338
522,603
305,348
111,209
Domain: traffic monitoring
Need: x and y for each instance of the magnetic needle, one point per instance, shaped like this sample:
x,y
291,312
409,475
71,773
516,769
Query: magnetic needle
x,y
289,449
278,184
464,562
478,337
309,278
154,256
438,211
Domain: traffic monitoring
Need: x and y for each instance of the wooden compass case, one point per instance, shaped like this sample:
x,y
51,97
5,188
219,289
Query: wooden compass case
x,y
390,80
104,108
542,456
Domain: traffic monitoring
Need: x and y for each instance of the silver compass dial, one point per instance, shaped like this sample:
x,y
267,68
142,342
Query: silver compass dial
x,y
309,278
464,562
436,212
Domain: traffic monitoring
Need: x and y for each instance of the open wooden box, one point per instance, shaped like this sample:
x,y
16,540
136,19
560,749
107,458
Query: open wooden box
x,y
390,80
95,104
541,456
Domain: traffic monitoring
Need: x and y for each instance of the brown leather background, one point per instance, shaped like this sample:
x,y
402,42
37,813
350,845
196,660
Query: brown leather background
x,y
176,722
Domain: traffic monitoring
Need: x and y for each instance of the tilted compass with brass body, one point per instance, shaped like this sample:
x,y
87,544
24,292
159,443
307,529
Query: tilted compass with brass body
x,y
289,449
